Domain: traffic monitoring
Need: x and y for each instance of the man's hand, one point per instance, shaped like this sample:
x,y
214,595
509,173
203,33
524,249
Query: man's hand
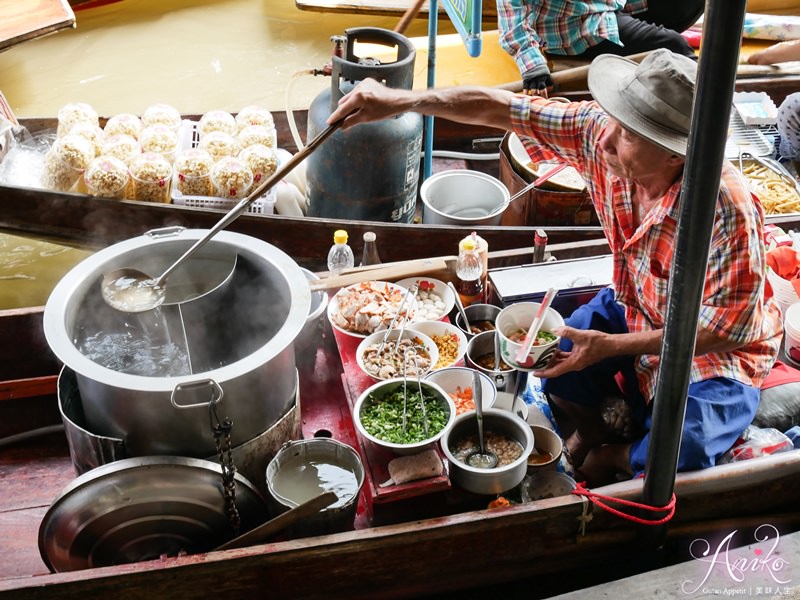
x,y
370,101
538,85
588,347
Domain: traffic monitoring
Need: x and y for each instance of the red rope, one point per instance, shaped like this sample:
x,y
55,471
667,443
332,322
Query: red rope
x,y
600,500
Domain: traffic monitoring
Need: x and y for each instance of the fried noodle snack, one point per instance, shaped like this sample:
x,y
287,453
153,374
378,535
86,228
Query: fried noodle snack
x,y
776,194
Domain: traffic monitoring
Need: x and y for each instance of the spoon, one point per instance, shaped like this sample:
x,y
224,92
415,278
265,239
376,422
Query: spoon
x,y
131,290
481,458
460,306
496,350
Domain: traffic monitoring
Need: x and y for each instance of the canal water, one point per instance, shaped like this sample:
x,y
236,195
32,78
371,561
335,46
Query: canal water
x,y
198,56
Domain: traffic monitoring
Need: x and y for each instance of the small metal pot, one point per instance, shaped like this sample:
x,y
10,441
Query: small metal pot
x,y
498,479
463,197
481,344
475,314
311,455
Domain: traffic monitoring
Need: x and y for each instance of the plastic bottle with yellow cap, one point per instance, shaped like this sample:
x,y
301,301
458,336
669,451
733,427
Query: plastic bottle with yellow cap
x,y
340,256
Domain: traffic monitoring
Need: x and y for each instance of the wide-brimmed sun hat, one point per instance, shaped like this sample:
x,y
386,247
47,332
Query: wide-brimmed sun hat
x,y
652,98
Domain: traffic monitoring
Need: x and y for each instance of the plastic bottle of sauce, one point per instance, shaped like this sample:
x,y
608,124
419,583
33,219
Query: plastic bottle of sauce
x,y
340,256
469,271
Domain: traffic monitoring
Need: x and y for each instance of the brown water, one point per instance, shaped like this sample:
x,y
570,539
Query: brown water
x,y
30,268
198,56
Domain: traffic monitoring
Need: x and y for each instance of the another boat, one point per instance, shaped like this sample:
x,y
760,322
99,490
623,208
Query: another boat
x,y
95,222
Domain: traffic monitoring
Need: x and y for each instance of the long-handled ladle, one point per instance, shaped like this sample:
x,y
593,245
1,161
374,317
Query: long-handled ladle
x,y
480,458
132,291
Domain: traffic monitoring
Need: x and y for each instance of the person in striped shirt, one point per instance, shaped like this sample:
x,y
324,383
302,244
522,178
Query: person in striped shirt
x,y
629,145
530,29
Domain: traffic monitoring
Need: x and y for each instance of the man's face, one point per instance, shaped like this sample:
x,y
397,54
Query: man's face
x,y
628,155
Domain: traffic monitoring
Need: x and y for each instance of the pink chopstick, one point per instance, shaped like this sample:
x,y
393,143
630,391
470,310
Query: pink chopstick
x,y
535,326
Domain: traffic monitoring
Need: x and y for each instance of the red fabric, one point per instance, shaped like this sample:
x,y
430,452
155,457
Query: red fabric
x,y
693,37
785,261
780,374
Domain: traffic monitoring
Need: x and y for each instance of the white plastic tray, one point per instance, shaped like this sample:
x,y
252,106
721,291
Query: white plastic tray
x,y
188,137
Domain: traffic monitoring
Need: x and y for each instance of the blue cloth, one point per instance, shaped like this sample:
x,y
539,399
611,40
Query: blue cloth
x,y
794,435
717,410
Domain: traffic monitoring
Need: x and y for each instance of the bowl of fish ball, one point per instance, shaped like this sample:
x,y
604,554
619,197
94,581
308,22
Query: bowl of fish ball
x,y
449,339
481,318
547,449
407,353
513,324
505,434
435,299
458,382
404,416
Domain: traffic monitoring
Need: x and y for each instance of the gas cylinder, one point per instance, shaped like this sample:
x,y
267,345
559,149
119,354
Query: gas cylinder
x,y
369,172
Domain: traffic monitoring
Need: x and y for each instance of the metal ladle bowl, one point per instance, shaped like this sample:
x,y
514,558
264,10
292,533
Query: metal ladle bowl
x,y
480,458
132,291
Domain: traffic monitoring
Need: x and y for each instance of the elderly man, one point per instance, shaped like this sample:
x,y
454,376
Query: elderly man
x,y
630,146
529,28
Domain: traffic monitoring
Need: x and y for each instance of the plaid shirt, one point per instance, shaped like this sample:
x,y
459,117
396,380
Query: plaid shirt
x,y
737,304
530,27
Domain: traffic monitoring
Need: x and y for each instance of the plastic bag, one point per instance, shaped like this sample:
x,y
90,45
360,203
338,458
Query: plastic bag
x,y
754,442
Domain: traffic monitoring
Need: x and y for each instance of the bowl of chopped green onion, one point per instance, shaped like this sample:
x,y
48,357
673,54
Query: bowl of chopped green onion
x,y
513,324
404,415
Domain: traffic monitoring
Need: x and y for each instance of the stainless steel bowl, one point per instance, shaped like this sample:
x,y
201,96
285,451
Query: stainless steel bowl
x,y
488,481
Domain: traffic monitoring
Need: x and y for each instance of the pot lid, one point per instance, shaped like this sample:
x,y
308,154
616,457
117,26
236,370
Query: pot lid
x,y
143,508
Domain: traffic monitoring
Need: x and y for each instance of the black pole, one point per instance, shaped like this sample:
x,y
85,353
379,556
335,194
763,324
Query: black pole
x,y
716,77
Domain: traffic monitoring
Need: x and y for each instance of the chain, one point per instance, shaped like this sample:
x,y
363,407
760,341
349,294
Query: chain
x,y
223,429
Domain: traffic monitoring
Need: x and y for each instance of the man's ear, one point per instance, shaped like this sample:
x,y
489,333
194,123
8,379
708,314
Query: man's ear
x,y
674,160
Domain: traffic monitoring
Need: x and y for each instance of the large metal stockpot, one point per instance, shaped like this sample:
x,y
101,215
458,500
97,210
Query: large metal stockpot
x,y
232,313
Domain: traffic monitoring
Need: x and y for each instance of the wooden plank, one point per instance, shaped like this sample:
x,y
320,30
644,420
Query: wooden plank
x,y
28,20
27,388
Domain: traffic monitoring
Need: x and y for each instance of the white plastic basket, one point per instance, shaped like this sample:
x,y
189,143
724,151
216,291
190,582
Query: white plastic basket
x,y
188,137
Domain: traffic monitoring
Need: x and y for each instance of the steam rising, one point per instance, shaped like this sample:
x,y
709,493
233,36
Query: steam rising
x,y
206,332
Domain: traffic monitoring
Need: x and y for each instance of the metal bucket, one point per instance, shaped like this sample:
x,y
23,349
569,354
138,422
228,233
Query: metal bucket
x,y
238,336
463,197
89,450
305,468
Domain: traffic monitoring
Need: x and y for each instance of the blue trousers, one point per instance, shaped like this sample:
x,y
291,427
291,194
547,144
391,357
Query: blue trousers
x,y
717,410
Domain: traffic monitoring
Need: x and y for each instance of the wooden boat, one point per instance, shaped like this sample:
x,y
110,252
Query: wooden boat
x,y
425,545
95,222
414,546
